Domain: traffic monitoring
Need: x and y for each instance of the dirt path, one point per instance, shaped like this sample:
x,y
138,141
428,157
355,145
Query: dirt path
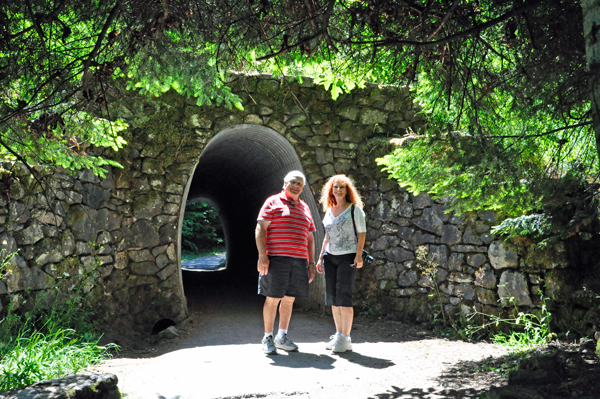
x,y
218,355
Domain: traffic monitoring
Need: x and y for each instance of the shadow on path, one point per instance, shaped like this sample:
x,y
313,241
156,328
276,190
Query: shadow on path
x,y
218,354
366,361
303,360
416,393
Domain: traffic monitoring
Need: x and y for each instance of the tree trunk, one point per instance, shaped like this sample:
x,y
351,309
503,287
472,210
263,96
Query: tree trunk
x,y
591,33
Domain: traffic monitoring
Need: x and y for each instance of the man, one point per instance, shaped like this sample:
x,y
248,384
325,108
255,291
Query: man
x,y
285,242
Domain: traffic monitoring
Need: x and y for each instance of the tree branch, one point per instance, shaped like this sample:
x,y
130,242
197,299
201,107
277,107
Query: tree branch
x,y
19,158
475,30
445,19
36,24
516,136
94,52
286,49
322,32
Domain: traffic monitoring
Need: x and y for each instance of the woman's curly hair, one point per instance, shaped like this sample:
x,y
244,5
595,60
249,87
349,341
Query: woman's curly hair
x,y
328,199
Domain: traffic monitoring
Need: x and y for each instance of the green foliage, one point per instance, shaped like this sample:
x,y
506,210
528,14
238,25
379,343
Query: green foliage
x,y
515,180
191,255
34,356
51,333
201,227
44,63
531,225
182,66
530,331
5,259
457,167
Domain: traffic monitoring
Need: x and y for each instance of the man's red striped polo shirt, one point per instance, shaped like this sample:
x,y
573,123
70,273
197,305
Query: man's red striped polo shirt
x,y
287,234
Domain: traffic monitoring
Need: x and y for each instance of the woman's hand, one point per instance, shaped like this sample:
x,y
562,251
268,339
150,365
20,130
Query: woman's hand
x,y
358,260
320,266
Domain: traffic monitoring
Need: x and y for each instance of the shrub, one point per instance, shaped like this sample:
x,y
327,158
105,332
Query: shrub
x,y
201,227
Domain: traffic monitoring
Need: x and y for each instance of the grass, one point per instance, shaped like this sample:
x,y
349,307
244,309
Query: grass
x,y
191,255
529,331
34,356
49,334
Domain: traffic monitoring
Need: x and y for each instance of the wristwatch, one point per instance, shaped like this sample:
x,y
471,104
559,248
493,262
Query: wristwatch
x,y
312,263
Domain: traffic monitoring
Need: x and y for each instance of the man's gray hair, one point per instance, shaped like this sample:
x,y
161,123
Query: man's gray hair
x,y
295,174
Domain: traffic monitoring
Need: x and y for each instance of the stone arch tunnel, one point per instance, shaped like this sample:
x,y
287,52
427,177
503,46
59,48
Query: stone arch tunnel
x,y
236,172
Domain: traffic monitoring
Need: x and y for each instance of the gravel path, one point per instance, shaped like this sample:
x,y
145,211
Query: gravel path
x,y
218,355
214,262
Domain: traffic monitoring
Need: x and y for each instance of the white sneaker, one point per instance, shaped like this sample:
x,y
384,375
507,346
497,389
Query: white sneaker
x,y
342,344
285,343
267,345
331,342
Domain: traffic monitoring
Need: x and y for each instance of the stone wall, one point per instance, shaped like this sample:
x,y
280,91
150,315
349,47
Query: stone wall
x,y
118,237
75,386
427,258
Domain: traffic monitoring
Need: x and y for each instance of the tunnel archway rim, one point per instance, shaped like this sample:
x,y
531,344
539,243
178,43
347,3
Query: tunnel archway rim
x,y
316,296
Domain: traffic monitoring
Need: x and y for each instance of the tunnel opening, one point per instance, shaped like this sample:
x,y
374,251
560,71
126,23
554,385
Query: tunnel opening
x,y
239,168
202,238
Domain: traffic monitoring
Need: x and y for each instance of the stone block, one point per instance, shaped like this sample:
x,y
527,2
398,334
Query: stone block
x,y
465,291
93,194
405,233
421,201
399,255
108,220
373,116
142,234
476,260
382,212
408,278
419,238
148,268
83,223
17,212
349,112
485,277
8,244
297,120
147,206
471,237
344,166
513,289
141,256
503,255
429,221
29,235
486,297
380,244
560,284
49,218
438,255
450,235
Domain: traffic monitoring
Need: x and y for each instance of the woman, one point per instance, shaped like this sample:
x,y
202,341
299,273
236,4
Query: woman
x,y
341,254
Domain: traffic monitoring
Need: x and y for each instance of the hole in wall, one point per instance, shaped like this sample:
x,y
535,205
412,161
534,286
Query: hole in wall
x,y
162,325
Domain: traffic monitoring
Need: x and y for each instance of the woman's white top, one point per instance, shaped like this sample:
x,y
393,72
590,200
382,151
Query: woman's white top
x,y
340,233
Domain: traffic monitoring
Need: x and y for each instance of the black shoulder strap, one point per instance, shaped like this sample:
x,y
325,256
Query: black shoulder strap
x,y
353,225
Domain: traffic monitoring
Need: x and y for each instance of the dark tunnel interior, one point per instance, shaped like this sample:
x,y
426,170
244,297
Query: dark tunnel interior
x,y
236,172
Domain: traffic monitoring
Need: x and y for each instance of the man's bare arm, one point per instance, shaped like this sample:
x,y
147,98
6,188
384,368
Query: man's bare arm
x,y
260,234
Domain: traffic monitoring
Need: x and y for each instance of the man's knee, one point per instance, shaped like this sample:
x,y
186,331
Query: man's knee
x,y
270,301
288,300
